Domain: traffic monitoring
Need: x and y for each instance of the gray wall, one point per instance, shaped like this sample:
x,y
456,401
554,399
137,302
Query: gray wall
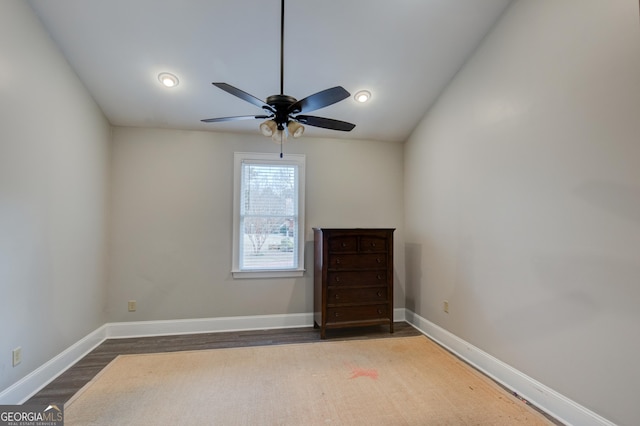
x,y
53,177
522,189
172,212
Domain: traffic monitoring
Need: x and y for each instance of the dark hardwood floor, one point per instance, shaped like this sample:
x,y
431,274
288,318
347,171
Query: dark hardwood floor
x,y
68,383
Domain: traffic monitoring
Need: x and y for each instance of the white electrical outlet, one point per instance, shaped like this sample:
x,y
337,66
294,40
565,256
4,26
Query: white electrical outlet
x,y
445,306
132,305
17,356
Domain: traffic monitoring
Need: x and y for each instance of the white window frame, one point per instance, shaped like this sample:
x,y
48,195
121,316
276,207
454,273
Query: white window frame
x,y
294,159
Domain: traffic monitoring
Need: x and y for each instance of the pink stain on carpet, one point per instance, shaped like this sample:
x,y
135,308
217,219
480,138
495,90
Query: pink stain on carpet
x,y
363,372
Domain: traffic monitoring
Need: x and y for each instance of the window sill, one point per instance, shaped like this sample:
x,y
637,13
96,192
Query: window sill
x,y
268,274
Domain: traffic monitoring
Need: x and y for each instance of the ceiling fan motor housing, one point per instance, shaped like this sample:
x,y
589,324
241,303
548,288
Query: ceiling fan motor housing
x,y
281,105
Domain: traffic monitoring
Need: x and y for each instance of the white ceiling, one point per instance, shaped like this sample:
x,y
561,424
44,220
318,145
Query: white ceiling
x,y
403,51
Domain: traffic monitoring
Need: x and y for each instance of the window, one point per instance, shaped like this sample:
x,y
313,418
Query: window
x,y
268,219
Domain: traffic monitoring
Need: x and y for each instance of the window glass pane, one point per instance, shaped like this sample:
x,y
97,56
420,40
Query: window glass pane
x,y
268,216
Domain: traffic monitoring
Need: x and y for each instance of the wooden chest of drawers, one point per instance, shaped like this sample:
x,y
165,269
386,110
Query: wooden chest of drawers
x,y
353,281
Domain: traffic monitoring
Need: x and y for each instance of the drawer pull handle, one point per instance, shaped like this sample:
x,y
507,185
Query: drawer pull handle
x,y
380,311
338,261
337,314
337,296
378,260
379,276
337,279
344,245
379,294
373,244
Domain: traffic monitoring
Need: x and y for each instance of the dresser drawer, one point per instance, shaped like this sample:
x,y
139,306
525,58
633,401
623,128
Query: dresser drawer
x,y
343,243
357,261
373,244
355,278
338,295
357,313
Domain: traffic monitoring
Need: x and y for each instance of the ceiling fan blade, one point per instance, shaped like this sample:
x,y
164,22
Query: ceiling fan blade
x,y
236,118
319,100
242,95
326,123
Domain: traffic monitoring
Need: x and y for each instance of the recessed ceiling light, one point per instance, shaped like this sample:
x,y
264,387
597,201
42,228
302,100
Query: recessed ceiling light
x,y
168,79
362,96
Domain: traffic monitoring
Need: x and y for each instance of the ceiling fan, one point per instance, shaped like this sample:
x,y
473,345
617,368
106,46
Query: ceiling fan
x,y
283,113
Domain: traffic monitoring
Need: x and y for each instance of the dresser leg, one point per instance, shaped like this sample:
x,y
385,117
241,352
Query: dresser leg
x,y
323,335
391,326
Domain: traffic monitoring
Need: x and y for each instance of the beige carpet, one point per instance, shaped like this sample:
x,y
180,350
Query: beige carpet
x,y
398,381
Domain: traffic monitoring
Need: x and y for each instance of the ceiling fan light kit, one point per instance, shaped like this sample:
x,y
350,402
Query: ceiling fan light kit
x,y
285,114
270,129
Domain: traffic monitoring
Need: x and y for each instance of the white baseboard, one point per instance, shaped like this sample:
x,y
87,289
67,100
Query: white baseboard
x,y
25,388
399,315
117,330
543,397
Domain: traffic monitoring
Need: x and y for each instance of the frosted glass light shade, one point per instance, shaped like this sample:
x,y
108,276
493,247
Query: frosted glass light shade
x,y
268,128
280,136
295,129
